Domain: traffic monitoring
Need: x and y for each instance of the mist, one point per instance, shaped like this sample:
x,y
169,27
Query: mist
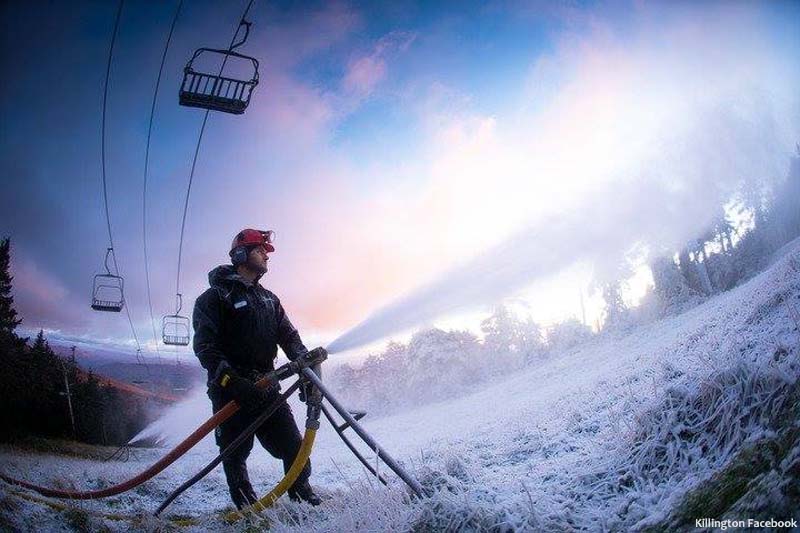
x,y
178,421
638,145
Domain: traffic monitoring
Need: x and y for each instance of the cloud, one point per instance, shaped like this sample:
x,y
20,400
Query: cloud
x,y
365,72
38,293
297,35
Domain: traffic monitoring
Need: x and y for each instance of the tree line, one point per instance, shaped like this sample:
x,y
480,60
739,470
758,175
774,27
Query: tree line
x,y
34,382
721,257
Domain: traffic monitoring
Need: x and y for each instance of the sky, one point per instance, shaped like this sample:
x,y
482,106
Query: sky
x,y
420,162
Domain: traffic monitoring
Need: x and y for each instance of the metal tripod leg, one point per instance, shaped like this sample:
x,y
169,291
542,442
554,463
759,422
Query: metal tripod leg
x,y
340,431
385,457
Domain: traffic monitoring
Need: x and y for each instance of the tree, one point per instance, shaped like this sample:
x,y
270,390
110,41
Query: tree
x,y
439,361
615,312
501,331
784,212
8,315
531,340
674,293
567,334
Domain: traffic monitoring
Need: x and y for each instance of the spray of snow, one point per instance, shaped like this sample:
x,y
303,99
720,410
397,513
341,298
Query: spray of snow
x,y
657,211
651,142
178,421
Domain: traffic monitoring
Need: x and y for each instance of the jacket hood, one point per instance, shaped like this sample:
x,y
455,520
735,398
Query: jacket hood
x,y
225,275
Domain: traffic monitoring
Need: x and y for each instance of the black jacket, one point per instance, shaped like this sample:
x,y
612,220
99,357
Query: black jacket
x,y
241,324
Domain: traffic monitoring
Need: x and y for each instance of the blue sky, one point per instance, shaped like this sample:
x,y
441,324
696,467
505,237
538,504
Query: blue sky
x,y
387,142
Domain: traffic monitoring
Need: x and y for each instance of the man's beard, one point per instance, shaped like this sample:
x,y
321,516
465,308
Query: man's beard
x,y
258,268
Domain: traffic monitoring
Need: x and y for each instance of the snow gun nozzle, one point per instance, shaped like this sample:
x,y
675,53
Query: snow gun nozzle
x,y
310,360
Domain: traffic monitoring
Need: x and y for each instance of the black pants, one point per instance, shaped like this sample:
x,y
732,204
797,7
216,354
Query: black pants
x,y
278,435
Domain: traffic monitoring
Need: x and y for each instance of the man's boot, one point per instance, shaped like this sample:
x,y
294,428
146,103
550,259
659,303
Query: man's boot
x,y
304,492
241,490
243,495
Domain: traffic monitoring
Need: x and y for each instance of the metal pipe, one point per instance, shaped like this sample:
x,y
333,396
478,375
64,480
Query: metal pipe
x,y
385,457
69,395
340,431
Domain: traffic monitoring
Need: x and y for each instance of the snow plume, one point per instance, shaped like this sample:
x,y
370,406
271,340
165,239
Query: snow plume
x,y
179,421
636,141
667,205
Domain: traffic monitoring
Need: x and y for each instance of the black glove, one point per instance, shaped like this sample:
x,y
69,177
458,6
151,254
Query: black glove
x,y
318,354
245,392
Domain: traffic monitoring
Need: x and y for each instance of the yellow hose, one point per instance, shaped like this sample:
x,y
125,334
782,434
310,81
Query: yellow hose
x,y
272,496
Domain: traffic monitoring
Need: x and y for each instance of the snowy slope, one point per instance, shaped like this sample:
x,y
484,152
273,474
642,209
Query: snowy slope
x,y
562,445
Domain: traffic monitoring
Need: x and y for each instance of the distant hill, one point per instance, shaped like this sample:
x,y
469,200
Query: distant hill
x,y
171,377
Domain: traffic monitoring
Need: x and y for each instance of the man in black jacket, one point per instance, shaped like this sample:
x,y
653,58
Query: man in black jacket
x,y
238,327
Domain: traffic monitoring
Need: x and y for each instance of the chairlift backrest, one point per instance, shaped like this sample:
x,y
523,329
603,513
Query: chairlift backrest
x,y
175,330
107,293
215,91
107,289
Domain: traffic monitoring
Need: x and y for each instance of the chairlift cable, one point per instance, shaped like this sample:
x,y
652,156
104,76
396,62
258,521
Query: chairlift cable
x,y
197,151
146,169
103,164
103,129
139,355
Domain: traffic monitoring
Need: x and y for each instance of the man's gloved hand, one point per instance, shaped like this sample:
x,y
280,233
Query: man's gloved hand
x,y
317,355
245,392
313,357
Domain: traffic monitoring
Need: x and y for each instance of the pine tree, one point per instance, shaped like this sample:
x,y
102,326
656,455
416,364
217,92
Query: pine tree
x,y
8,315
615,311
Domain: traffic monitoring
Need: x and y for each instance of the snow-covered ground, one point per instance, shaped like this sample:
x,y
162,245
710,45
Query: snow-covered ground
x,y
598,438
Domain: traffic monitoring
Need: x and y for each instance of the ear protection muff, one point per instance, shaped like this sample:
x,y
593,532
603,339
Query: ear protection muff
x,y
239,255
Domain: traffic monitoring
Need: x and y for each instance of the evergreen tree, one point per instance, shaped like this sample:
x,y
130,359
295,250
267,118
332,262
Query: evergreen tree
x,y
44,385
674,293
567,334
784,213
615,313
8,315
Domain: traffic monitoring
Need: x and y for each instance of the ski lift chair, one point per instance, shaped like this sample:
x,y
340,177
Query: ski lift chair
x,y
108,290
175,328
215,91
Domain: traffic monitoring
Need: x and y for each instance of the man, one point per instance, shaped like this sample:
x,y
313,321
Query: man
x,y
238,327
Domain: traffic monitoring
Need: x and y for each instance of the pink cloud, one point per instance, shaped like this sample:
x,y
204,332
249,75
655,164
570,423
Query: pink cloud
x,y
300,113
365,72
289,42
40,298
33,283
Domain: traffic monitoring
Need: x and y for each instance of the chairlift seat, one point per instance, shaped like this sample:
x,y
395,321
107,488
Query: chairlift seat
x,y
175,330
215,91
103,305
107,293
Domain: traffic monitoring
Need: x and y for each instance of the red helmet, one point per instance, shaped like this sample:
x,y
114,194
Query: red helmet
x,y
248,238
